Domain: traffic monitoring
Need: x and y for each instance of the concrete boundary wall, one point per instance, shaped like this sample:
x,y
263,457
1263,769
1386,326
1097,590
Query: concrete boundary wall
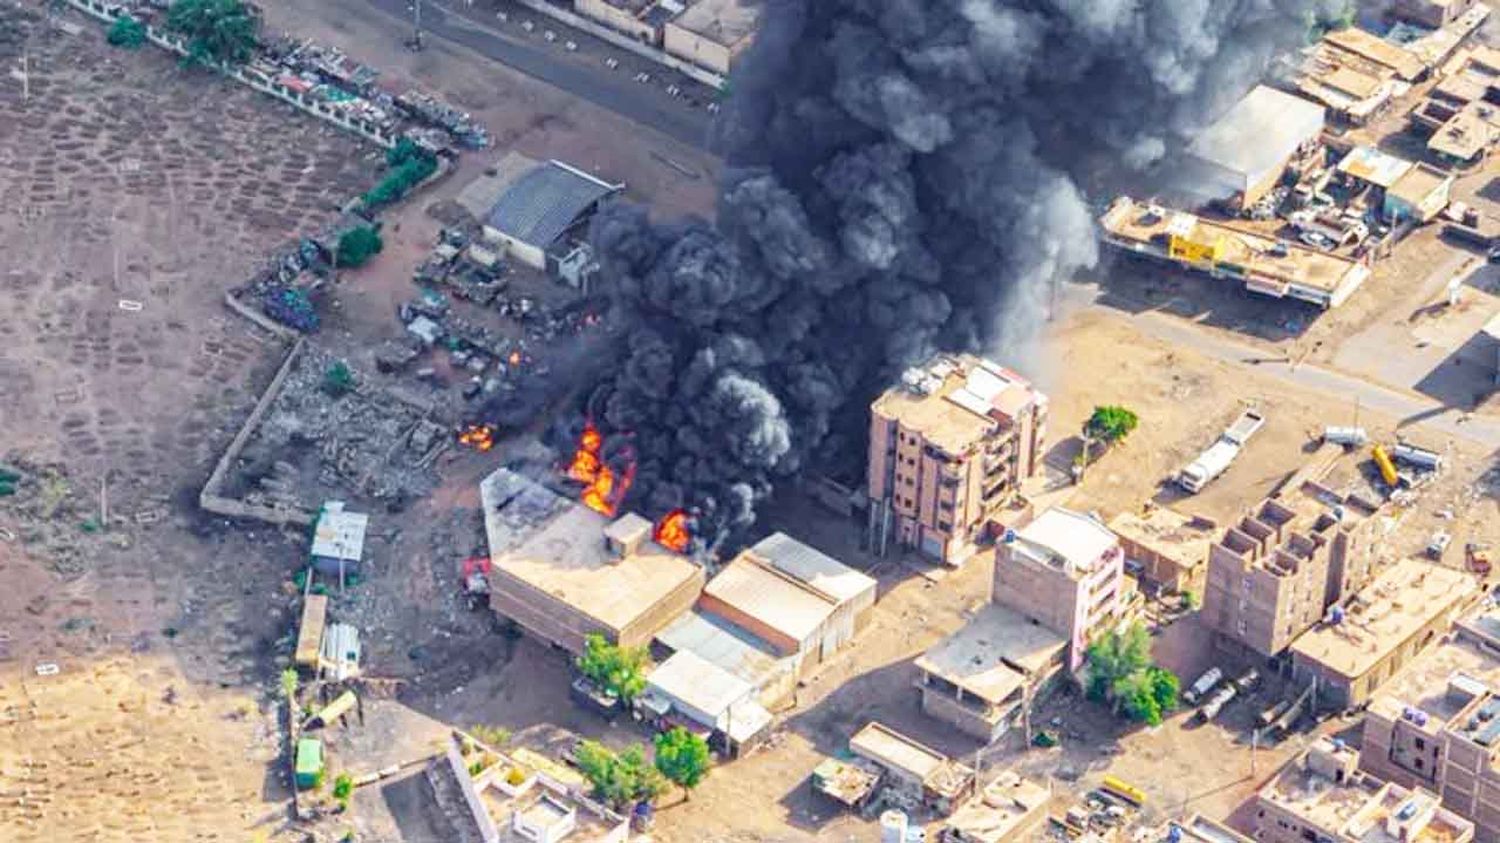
x,y
211,500
625,42
110,12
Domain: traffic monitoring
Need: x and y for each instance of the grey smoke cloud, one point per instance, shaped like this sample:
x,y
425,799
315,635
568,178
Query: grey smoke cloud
x,y
904,176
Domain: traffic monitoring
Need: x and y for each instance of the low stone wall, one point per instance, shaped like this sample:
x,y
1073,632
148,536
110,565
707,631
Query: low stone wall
x,y
211,500
110,12
625,42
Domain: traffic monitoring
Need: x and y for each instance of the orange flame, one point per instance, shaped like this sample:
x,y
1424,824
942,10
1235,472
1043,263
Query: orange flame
x,y
603,489
480,437
672,531
515,358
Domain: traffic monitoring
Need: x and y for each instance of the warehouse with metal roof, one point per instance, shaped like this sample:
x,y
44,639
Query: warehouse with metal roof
x,y
1243,154
796,599
538,206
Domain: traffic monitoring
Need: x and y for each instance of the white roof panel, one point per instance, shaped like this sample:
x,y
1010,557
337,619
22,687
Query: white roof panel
x,y
1259,132
698,684
817,569
1079,539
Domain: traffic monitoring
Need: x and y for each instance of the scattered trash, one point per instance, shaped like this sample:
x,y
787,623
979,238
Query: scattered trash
x,y
130,306
48,669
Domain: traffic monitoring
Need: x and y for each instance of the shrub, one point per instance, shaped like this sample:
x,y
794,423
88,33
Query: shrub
x,y
338,380
409,165
127,32
1111,424
357,245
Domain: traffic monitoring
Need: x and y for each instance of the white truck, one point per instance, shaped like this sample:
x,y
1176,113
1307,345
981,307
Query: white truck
x,y
1212,462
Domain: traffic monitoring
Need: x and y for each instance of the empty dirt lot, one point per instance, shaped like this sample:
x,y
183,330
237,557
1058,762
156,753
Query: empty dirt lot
x,y
128,178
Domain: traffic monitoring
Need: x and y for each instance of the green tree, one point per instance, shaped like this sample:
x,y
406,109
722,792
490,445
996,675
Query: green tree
x,y
619,778
1110,424
357,245
217,31
1137,701
339,379
343,788
127,32
1164,688
619,670
1115,657
683,758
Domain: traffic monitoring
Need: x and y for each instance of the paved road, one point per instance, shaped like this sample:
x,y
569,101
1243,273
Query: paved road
x,y
1412,410
546,62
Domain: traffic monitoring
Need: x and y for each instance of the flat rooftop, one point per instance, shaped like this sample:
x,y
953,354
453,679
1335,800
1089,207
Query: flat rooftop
x,y
1464,136
1418,183
1367,45
895,751
1167,532
1361,807
726,22
956,401
1259,132
1369,164
1424,684
557,546
1068,541
1007,804
991,656
1399,602
1133,222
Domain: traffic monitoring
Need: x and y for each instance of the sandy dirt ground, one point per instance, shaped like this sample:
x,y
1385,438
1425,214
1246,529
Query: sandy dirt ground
x,y
128,178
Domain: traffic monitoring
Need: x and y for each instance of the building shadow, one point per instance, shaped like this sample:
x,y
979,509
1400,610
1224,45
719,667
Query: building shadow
x,y
1465,378
410,802
1135,284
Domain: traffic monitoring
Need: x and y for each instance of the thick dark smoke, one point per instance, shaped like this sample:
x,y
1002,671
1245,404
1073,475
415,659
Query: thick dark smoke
x,y
905,176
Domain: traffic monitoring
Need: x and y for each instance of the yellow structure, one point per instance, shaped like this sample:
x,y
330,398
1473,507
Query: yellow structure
x,y
1387,468
1186,249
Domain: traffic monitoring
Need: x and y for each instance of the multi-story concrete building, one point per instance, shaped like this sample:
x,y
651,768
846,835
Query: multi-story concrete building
x,y
949,449
712,33
1432,13
1384,628
1322,796
1273,575
1431,726
1065,571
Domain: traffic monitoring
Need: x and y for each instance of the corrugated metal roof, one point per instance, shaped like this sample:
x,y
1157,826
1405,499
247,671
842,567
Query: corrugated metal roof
x,y
1367,163
544,202
698,684
813,567
1259,132
772,598
340,534
726,645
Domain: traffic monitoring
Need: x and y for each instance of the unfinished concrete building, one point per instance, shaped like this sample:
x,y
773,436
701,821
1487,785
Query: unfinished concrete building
x,y
949,449
1273,575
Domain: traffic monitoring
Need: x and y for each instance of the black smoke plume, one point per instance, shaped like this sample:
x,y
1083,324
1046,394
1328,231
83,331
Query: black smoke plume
x,y
904,176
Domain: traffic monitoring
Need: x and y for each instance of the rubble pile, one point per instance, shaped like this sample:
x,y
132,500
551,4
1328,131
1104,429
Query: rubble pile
x,y
316,445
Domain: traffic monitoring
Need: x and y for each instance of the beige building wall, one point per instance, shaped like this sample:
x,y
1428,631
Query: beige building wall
x,y
618,19
690,46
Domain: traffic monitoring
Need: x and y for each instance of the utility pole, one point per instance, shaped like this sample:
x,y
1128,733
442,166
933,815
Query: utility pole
x,y
416,20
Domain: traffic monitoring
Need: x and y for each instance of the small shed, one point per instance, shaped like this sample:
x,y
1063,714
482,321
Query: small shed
x,y
310,631
709,696
1419,195
309,765
338,544
340,651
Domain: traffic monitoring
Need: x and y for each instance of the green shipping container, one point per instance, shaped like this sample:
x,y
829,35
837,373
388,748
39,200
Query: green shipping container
x,y
309,762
